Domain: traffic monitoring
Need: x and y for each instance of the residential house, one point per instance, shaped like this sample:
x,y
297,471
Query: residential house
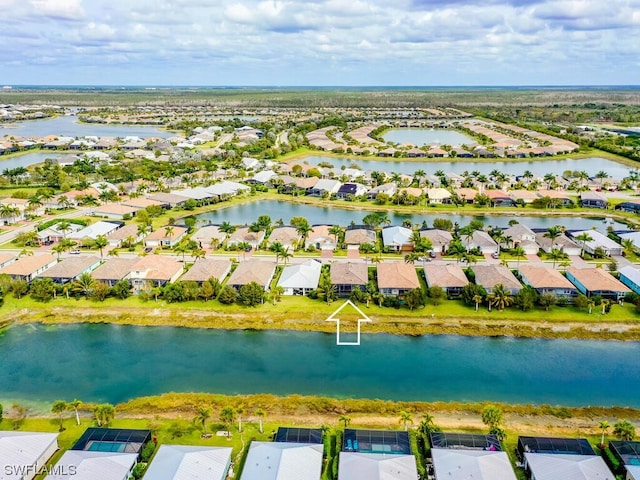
x,y
598,242
593,200
488,276
206,268
526,196
377,466
300,279
265,177
181,462
547,280
633,207
325,185
28,267
123,235
168,200
257,271
283,461
245,235
114,210
168,236
449,277
348,275
630,276
93,465
562,243
440,239
596,282
351,189
397,239
94,230
141,203
71,268
288,237
360,236
7,259
523,236
25,449
114,269
387,188
154,271
438,195
397,278
481,241
499,198
209,236
320,238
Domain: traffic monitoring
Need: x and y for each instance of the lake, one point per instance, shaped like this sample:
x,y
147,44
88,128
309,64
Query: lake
x,y
247,213
30,159
425,136
68,126
537,167
110,363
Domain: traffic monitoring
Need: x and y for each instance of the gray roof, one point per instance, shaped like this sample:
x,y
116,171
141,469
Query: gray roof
x,y
396,236
205,268
349,273
181,462
550,466
304,275
377,466
84,465
71,267
283,461
462,464
260,272
23,448
445,276
114,269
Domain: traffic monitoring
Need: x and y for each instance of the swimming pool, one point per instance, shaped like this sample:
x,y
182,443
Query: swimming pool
x,y
97,446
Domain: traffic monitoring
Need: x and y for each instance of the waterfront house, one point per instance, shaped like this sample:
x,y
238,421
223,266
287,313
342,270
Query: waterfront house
x,y
481,241
181,462
397,278
596,282
488,276
7,259
257,271
562,243
376,466
283,461
348,275
300,279
25,449
463,456
245,235
154,271
168,200
28,267
351,189
93,231
141,203
209,236
325,185
522,236
547,280
633,207
397,239
93,465
360,236
387,188
633,236
627,452
287,236
71,268
598,242
499,198
440,239
320,238
449,277
124,234
593,200
630,276
168,236
114,269
438,195
205,268
116,211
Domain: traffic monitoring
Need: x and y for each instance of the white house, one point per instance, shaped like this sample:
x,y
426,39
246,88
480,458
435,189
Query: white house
x,y
376,466
463,464
553,466
23,454
300,279
181,462
283,461
397,238
87,465
598,241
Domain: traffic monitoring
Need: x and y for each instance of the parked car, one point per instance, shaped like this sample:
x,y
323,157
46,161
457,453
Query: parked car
x,y
495,255
75,252
147,249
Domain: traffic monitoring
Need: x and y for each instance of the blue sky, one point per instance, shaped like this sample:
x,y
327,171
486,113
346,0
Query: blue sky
x,y
320,42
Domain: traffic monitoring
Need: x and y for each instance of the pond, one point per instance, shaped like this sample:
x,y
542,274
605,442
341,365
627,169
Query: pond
x,y
29,159
246,213
68,125
537,167
425,136
98,363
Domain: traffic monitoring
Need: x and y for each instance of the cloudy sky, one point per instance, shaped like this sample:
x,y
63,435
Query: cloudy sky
x,y
320,42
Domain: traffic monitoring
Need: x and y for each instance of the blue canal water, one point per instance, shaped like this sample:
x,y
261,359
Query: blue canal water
x,y
424,136
115,363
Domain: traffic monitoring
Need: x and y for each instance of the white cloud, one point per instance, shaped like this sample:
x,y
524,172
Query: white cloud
x,y
60,9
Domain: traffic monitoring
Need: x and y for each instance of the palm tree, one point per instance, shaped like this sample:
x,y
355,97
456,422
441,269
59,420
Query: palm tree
x,y
405,419
605,303
303,229
75,404
336,231
591,304
345,419
197,253
275,295
101,242
202,415
519,253
8,211
240,411
58,408
260,413
553,233
624,430
227,417
477,299
500,297
555,255
411,257
583,238
603,425
227,229
628,246
64,226
83,284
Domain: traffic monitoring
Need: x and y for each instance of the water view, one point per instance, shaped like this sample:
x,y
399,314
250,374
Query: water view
x,y
115,363
424,136
29,159
537,167
246,213
69,126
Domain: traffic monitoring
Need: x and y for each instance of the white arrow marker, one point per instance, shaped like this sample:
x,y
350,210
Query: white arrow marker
x,y
333,318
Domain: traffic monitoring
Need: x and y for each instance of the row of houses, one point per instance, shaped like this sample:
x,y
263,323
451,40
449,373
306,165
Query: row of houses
x,y
297,454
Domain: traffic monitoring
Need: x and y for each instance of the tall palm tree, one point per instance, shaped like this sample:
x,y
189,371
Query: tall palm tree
x,y
227,229
202,415
336,231
75,405
628,246
345,419
64,226
583,238
553,233
477,299
303,229
101,241
58,408
603,425
83,284
605,303
405,419
260,414
519,253
555,255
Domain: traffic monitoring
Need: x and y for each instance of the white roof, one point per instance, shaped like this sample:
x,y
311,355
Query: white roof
x,y
599,240
21,449
328,184
631,273
633,472
226,188
376,466
304,275
92,231
633,236
84,465
264,176
549,466
196,193
396,236
283,461
460,464
180,462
